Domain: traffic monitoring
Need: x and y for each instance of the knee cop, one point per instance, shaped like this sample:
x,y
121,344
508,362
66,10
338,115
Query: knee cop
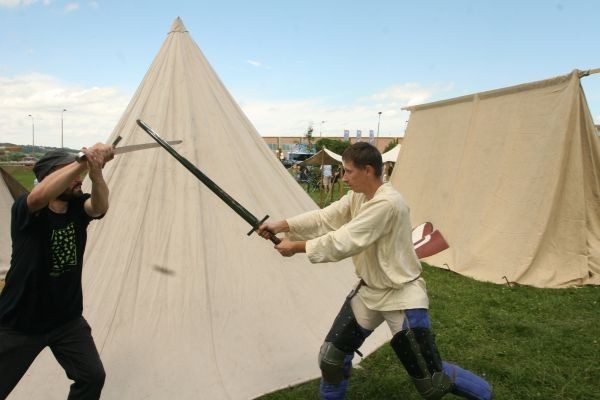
x,y
333,363
418,353
344,338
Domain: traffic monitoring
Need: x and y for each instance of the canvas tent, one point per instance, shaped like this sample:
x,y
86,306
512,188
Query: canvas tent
x,y
6,202
326,156
183,304
391,155
323,157
320,158
511,176
9,190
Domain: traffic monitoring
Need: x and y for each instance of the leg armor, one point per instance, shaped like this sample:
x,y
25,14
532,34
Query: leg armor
x,y
433,378
416,349
335,356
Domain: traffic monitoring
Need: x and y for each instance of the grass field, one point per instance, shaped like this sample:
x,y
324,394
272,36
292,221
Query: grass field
x,y
528,343
24,175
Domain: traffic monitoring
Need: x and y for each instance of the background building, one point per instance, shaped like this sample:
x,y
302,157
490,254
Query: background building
x,y
282,145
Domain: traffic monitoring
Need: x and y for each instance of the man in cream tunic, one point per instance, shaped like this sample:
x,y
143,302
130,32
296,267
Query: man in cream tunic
x,y
372,225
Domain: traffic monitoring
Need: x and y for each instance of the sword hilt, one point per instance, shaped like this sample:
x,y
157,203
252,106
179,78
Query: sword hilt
x,y
81,157
272,238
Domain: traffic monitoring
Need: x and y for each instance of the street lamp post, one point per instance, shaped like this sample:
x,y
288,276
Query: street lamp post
x,y
378,122
62,114
320,126
32,135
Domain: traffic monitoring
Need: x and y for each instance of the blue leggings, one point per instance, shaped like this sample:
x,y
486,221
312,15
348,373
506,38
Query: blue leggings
x,y
465,383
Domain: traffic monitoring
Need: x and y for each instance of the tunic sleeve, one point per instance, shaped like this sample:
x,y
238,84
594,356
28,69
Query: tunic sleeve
x,y
318,222
367,226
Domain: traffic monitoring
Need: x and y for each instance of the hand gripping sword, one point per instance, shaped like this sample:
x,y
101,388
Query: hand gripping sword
x,y
125,149
230,201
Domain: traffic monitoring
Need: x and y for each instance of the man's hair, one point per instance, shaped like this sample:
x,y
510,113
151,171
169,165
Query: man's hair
x,y
362,154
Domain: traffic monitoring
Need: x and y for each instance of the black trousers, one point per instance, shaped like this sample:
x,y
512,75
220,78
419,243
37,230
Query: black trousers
x,y
73,347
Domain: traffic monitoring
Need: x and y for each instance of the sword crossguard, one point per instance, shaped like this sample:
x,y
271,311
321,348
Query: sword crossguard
x,y
80,157
272,238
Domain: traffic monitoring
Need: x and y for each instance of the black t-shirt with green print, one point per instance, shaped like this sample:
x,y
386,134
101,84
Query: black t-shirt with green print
x,y
43,284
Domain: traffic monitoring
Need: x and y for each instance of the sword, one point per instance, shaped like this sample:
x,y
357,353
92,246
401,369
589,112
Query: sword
x,y
126,149
230,201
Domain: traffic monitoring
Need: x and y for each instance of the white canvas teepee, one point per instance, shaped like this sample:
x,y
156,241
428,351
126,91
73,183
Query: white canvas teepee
x,y
6,202
9,190
510,177
183,304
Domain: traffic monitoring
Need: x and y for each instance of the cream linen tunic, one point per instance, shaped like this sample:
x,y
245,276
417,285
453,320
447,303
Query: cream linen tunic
x,y
377,234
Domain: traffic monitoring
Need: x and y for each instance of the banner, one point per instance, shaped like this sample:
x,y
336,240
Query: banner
x,y
371,136
346,135
358,135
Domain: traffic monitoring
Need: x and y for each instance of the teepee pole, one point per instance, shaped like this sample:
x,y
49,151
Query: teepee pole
x,y
588,72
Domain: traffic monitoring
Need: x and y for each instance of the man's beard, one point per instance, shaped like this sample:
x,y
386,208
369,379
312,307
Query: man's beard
x,y
70,194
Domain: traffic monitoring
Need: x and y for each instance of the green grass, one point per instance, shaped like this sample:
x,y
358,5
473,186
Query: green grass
x,y
528,343
24,175
322,198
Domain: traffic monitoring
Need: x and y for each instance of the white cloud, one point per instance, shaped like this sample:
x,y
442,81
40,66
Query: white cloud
x,y
72,7
292,118
254,63
92,112
410,94
94,4
17,3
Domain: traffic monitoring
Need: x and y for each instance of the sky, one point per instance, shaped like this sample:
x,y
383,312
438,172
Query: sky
x,y
329,64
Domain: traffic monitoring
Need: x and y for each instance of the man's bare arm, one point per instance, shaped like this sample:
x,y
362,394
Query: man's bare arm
x,y
53,185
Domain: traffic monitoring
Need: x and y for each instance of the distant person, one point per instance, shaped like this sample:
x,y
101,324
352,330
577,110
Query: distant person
x,y
371,224
296,172
41,304
303,173
337,172
327,177
388,168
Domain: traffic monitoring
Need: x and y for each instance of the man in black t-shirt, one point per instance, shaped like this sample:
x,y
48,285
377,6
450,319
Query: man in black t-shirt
x,y
41,304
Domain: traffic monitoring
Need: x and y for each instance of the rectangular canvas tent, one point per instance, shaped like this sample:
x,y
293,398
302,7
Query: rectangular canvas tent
x,y
511,178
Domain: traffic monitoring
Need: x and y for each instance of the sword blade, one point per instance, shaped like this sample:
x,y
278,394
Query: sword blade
x,y
126,149
227,199
143,146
